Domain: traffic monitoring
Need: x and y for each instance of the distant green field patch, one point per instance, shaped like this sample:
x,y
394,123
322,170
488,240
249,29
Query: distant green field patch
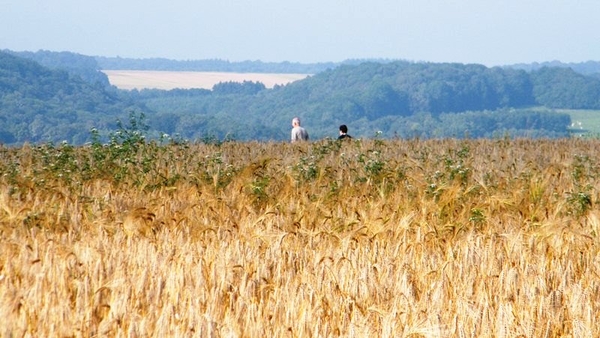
x,y
584,123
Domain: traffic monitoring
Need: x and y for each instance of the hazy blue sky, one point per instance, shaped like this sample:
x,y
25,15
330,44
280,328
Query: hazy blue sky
x,y
467,31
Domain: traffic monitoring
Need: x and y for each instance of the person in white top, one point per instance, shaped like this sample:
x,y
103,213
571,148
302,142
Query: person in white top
x,y
298,132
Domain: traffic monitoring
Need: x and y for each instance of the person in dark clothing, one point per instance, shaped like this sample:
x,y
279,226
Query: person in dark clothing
x,y
344,132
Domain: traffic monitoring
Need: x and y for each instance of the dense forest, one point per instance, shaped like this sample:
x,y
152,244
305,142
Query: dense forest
x,y
40,104
51,97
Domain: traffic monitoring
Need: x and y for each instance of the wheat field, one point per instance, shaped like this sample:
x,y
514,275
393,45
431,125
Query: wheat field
x,y
365,238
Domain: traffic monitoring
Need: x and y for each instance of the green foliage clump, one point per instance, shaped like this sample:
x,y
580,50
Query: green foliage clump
x,y
584,175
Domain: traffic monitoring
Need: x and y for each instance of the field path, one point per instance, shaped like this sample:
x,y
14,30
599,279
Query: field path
x,y
140,79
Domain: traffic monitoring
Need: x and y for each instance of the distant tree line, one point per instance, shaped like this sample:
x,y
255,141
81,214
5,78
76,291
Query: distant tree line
x,y
585,68
50,97
80,65
117,63
213,65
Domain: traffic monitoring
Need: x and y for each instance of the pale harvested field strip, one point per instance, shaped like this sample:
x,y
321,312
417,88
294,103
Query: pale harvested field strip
x,y
139,79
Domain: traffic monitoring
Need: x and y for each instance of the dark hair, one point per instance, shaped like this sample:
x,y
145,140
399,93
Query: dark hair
x,y
343,128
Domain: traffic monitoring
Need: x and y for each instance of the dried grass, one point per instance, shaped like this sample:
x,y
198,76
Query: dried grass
x,y
446,238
